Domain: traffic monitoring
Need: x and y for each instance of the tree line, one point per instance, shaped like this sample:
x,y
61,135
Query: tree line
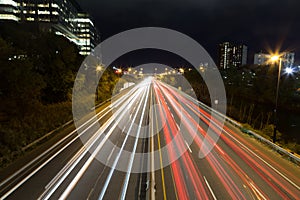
x,y
251,94
37,71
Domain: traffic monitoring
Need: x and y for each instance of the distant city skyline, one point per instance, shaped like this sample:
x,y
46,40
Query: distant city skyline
x,y
262,25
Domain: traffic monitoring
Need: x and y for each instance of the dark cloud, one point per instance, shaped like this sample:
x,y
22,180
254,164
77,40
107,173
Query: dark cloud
x,y
257,23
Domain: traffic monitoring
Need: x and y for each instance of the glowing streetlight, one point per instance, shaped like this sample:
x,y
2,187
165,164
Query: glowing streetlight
x,y
274,59
98,68
118,71
289,70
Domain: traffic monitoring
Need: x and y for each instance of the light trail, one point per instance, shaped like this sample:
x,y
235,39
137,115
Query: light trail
x,y
87,148
21,171
232,169
189,166
101,196
221,173
160,155
125,185
151,132
176,171
243,155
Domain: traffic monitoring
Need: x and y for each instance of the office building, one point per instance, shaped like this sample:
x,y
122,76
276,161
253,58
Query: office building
x,y
88,36
9,10
232,55
63,17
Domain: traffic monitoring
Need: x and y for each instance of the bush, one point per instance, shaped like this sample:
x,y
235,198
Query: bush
x,y
16,134
294,147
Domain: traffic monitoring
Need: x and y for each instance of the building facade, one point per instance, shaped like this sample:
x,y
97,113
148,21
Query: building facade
x,y
288,59
63,17
232,55
88,36
9,10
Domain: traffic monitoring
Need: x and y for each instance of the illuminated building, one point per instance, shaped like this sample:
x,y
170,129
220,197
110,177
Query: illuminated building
x,y
9,10
63,17
232,55
88,36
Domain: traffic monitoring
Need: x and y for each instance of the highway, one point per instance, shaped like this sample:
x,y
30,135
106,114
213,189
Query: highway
x,y
149,146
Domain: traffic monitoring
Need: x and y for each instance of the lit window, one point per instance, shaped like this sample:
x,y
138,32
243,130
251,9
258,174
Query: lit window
x,y
55,13
44,20
43,12
43,5
9,17
9,2
30,19
54,5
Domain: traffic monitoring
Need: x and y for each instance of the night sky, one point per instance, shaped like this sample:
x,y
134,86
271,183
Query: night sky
x,y
260,24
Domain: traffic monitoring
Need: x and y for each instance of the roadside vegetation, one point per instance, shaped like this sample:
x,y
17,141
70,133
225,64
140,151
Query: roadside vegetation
x,y
251,99
37,71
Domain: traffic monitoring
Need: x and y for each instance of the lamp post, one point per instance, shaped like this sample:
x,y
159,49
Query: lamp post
x,y
98,70
276,58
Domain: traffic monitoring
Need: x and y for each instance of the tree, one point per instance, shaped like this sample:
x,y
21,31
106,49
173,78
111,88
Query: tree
x,y
20,84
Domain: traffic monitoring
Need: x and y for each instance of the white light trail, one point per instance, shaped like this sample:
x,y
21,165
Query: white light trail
x,y
125,185
120,152
87,148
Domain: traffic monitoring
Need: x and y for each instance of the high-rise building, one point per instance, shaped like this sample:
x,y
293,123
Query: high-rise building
x,y
88,35
288,58
261,58
232,55
9,10
63,17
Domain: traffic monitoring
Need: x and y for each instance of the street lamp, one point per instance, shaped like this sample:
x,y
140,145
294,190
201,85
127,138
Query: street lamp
x,y
98,70
289,70
181,70
276,58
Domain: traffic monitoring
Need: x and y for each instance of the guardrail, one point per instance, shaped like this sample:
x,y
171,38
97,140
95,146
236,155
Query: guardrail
x,y
275,147
263,140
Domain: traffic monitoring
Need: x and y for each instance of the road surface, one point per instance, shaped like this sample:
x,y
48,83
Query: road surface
x,y
152,142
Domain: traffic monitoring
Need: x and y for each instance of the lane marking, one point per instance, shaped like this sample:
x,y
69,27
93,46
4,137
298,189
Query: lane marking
x,y
260,194
160,155
108,179
109,108
246,148
125,185
269,165
151,129
92,141
189,148
160,159
211,191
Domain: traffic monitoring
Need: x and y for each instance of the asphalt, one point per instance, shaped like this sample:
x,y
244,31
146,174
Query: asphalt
x,y
238,167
